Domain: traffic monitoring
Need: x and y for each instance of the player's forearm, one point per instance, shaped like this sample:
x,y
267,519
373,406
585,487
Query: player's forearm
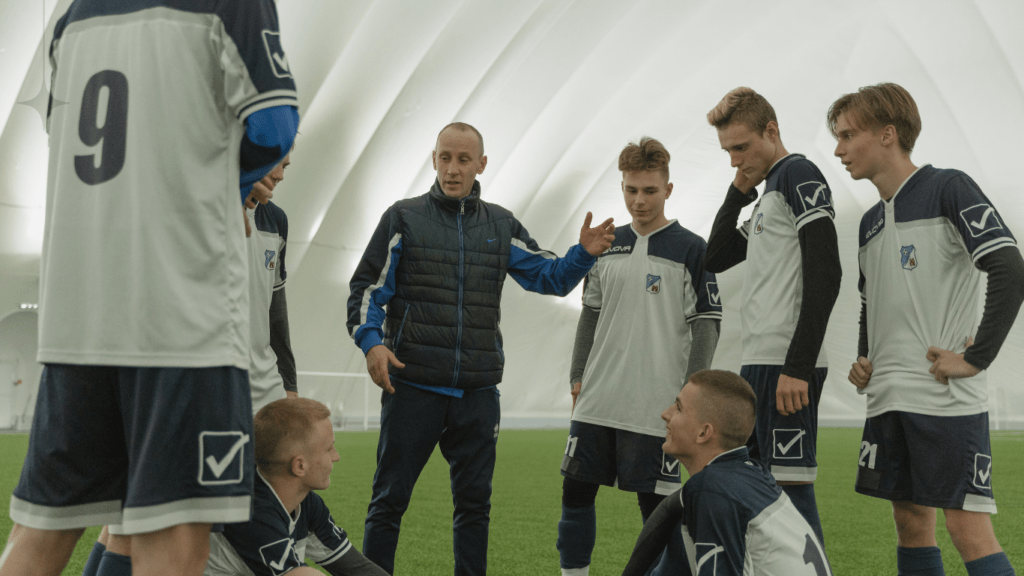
x,y
704,334
373,284
535,271
585,329
862,337
822,275
656,533
352,563
280,340
1003,298
726,245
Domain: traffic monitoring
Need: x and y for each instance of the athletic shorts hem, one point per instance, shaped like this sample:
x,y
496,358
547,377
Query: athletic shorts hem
x,y
794,473
971,503
591,479
42,517
212,510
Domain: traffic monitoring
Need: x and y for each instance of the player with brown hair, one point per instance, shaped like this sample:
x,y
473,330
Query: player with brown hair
x,y
790,284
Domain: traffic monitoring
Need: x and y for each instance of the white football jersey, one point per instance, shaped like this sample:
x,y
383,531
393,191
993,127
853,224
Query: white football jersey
x,y
918,256
796,193
266,275
143,260
648,290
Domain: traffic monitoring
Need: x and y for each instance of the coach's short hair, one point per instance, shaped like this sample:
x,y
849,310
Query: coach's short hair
x,y
878,106
462,127
745,106
728,402
282,428
649,154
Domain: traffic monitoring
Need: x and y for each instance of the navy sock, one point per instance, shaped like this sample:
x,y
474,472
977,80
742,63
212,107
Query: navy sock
x,y
992,565
114,565
577,532
93,563
926,561
802,496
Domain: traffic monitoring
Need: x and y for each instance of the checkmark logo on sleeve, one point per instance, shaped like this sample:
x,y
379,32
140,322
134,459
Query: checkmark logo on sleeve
x,y
284,558
276,555
785,448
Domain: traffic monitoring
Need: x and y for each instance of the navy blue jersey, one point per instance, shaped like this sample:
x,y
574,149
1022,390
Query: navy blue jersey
x,y
737,521
274,541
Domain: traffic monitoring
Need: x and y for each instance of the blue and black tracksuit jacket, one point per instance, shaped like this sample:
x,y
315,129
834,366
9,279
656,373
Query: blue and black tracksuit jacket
x,y
429,286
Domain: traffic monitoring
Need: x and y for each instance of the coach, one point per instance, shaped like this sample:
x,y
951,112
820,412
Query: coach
x,y
438,263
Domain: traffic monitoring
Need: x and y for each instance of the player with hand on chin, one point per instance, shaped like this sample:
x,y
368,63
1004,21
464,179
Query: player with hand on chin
x,y
926,437
790,285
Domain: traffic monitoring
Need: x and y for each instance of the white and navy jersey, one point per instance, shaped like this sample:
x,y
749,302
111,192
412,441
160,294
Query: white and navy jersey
x,y
648,289
796,193
267,274
274,541
143,260
737,521
920,282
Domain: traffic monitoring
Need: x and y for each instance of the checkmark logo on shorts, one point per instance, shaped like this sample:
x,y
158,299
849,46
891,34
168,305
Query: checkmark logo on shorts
x,y
221,457
983,471
788,443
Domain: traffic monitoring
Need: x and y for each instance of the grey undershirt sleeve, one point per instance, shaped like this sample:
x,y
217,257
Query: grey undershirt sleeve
x,y
352,563
705,333
280,340
584,342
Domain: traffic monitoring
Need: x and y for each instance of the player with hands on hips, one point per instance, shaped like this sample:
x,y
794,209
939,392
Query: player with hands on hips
x,y
790,284
933,231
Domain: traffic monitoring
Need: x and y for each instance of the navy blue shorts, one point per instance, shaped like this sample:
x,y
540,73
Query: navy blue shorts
x,y
139,449
936,461
631,461
786,444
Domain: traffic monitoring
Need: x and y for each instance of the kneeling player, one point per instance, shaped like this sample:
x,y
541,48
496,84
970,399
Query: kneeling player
x,y
733,513
294,456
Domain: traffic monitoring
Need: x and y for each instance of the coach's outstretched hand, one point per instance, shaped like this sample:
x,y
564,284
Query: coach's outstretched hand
x,y
377,360
791,395
598,239
860,373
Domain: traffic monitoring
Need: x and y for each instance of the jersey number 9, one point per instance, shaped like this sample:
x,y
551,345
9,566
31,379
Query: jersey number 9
x,y
112,134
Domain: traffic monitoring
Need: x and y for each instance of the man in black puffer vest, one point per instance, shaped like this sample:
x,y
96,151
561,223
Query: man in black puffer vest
x,y
432,275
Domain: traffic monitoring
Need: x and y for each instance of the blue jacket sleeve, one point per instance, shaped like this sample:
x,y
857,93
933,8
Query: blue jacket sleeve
x,y
269,134
373,283
543,272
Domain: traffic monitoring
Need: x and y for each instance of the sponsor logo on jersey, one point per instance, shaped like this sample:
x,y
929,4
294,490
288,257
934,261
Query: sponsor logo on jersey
x,y
788,444
713,296
278,61
983,471
669,465
653,284
615,249
280,556
707,558
980,219
758,226
908,257
814,195
875,229
221,457
270,259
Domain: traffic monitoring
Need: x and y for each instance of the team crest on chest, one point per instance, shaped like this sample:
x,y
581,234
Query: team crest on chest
x,y
653,284
270,259
908,257
758,225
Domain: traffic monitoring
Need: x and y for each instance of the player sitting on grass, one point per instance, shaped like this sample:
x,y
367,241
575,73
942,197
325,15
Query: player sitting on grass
x,y
294,456
735,517
922,249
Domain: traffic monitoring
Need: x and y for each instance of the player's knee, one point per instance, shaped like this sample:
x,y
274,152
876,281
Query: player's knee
x,y
578,494
969,528
914,524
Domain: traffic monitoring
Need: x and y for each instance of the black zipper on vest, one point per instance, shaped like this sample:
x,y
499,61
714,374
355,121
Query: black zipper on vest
x,y
458,336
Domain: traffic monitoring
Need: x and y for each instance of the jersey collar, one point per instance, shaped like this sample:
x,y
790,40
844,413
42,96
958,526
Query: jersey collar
x,y
453,204
890,201
298,511
653,232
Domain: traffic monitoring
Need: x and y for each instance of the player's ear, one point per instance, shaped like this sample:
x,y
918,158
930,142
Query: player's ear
x,y
771,131
433,158
889,136
668,190
707,432
298,466
483,164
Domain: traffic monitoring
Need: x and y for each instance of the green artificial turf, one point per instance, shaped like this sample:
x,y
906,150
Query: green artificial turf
x,y
859,533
